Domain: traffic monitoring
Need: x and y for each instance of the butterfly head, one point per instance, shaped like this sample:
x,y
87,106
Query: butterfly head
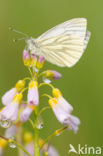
x,y
31,45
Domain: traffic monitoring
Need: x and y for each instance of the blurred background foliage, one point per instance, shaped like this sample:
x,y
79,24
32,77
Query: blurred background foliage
x,y
81,85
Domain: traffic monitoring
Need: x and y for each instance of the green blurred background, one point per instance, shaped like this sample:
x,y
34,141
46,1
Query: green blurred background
x,y
81,85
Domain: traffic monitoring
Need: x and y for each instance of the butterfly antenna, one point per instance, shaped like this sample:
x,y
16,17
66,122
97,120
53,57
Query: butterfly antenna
x,y
12,29
15,40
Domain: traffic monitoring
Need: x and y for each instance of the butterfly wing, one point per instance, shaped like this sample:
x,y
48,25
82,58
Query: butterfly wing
x,y
86,39
62,50
64,44
75,26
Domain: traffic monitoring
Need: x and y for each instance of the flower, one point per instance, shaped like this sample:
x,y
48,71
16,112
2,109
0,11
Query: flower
x,y
52,151
10,112
73,123
40,62
20,85
33,60
25,114
62,102
11,131
30,148
33,96
29,144
62,110
58,110
26,58
28,137
3,144
52,75
9,95
48,149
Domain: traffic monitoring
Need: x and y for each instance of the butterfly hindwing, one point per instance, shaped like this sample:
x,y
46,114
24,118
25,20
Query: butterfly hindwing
x,y
63,50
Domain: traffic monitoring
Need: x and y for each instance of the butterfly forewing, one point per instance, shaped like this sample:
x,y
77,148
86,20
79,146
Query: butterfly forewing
x,y
86,39
64,44
75,26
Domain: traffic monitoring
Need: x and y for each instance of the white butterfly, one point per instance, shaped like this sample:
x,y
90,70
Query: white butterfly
x,y
62,45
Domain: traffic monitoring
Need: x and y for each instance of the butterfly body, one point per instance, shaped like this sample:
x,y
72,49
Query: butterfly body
x,y
62,45
33,46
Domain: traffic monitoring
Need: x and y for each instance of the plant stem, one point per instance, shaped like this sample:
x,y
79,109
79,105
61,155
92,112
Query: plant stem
x,y
30,72
32,124
36,138
46,96
27,78
55,133
21,147
44,109
18,145
48,84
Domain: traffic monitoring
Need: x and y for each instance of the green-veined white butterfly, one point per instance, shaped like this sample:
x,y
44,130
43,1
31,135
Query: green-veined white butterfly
x,y
62,45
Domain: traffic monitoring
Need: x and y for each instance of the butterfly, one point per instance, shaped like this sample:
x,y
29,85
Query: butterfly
x,y
64,44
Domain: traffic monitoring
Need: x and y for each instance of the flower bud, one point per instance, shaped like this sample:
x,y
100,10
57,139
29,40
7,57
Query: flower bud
x,y
52,75
52,102
18,97
33,60
26,58
56,92
3,143
28,137
20,85
40,62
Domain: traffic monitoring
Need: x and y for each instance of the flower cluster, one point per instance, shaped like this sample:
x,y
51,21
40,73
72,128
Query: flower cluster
x,y
18,109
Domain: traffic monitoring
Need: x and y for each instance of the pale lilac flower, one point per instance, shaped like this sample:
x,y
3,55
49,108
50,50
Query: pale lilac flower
x,y
73,123
25,114
33,96
61,101
30,148
11,131
1,151
62,110
52,151
59,112
65,105
8,96
10,112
